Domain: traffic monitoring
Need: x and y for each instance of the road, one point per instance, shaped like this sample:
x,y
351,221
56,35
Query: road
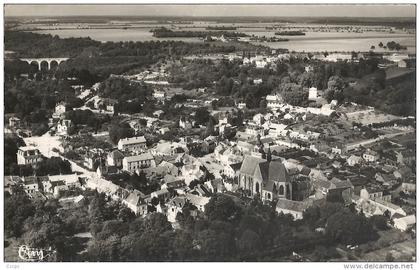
x,y
381,137
46,143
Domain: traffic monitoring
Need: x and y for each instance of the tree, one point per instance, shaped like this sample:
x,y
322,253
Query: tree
x,y
202,116
379,222
348,228
380,44
117,132
17,209
335,89
209,128
221,207
249,242
216,246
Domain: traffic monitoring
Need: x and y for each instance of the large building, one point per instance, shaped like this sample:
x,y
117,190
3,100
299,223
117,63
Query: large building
x,y
28,155
134,144
134,163
267,179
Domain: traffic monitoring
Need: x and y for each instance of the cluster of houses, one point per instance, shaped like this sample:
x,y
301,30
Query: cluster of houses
x,y
44,186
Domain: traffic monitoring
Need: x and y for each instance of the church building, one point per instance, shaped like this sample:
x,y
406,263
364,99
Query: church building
x,y
266,178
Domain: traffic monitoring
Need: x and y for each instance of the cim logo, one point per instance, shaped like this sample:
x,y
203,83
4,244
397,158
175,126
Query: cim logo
x,y
34,254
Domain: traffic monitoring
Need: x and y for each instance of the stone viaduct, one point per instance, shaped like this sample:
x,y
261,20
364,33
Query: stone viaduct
x,y
40,61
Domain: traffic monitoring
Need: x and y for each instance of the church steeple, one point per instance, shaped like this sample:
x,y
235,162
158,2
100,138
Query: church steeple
x,y
269,154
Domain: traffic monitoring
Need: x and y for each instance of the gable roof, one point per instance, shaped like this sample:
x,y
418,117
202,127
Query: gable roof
x,y
134,197
249,164
409,220
272,171
236,166
132,140
297,206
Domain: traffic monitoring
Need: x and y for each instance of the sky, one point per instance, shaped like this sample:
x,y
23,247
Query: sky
x,y
352,10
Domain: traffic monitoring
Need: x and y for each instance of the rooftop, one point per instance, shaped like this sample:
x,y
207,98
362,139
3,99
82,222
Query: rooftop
x,y
145,156
133,140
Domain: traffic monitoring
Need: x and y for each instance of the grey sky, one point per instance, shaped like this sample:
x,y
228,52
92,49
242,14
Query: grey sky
x,y
352,10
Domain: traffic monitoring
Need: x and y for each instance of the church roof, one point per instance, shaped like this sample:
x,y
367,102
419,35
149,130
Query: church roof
x,y
273,171
249,164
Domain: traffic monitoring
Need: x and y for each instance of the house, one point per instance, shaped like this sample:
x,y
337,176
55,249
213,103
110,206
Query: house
x,y
232,171
254,130
402,63
115,158
198,201
276,129
294,208
28,155
172,182
134,163
385,179
157,94
257,81
258,118
62,182
377,206
268,179
104,170
374,193
63,127
108,104
165,148
245,147
164,130
133,144
215,185
408,187
175,206
241,105
405,223
14,122
158,113
191,171
135,125
340,190
353,160
31,184
185,123
313,93
274,102
370,156
338,150
136,202
320,148
91,160
60,109
10,182
162,194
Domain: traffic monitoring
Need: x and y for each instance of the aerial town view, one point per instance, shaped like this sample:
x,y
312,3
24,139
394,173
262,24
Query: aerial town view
x,y
218,133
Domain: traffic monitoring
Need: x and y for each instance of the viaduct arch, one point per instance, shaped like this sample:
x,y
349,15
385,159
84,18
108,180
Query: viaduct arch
x,y
40,61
